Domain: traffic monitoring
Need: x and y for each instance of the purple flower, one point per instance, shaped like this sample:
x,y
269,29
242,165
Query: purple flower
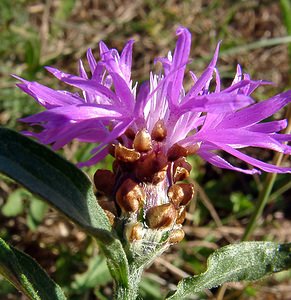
x,y
201,120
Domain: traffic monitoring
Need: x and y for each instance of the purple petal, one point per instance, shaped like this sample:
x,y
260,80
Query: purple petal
x,y
204,78
141,99
86,132
117,131
269,127
126,60
221,163
95,159
123,92
48,97
256,112
282,137
180,59
74,112
252,161
103,48
91,60
82,71
217,81
239,138
90,86
216,103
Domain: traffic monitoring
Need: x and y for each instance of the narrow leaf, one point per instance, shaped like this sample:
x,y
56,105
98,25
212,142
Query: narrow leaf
x,y
26,275
46,174
63,186
245,261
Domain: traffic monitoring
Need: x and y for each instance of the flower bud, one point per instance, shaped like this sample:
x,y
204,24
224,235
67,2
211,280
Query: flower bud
x,y
176,236
142,141
161,216
159,131
125,154
181,169
130,196
104,181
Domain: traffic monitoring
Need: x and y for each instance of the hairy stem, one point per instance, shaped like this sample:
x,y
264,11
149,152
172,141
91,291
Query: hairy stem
x,y
129,292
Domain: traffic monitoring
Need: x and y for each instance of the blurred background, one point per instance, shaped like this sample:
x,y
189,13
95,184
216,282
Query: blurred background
x,y
256,34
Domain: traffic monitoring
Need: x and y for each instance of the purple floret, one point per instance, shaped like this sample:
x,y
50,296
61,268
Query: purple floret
x,y
109,104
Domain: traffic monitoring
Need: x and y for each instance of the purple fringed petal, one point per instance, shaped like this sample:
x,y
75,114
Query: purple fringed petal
x,y
256,112
95,159
73,112
126,60
90,86
117,131
48,97
141,99
219,162
269,127
252,161
107,105
91,60
240,138
216,103
282,137
204,78
180,59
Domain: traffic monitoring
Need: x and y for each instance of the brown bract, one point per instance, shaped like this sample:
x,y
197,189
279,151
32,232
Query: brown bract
x,y
152,167
181,169
176,151
159,131
104,181
125,154
161,216
181,194
176,236
142,141
134,232
130,196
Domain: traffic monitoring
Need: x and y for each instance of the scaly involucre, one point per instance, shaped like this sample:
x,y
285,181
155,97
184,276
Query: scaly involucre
x,y
204,118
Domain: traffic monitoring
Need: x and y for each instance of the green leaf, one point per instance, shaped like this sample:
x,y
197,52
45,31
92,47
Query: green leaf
x,y
63,186
36,213
26,275
54,179
96,275
14,204
245,261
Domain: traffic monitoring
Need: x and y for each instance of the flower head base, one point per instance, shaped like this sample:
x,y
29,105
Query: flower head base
x,y
144,191
150,130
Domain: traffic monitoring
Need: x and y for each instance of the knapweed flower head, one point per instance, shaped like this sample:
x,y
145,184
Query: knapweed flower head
x,y
151,128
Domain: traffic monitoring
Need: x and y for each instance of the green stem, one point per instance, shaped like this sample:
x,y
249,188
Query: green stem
x,y
129,292
266,190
